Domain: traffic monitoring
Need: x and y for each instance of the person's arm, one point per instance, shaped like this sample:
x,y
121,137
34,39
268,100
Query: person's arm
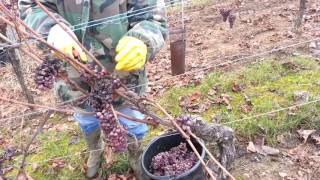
x,y
38,19
151,26
42,23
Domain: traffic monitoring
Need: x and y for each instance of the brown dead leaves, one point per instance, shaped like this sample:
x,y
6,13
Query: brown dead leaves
x,y
193,103
259,147
121,177
57,163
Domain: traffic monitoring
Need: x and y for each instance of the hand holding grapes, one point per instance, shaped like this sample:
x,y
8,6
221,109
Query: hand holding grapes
x,y
61,40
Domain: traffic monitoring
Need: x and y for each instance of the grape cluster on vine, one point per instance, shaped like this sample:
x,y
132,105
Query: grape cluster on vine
x,y
174,162
184,121
226,15
101,100
46,73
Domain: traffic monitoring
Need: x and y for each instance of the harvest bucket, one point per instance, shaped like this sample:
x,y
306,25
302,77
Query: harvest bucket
x,y
165,143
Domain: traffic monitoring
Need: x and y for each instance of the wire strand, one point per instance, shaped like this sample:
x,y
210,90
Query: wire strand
x,y
210,66
242,119
98,22
187,73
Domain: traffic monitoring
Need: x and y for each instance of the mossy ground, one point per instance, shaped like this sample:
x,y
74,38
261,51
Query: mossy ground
x,y
270,85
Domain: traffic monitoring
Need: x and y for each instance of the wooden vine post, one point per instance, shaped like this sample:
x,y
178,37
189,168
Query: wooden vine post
x,y
299,18
15,59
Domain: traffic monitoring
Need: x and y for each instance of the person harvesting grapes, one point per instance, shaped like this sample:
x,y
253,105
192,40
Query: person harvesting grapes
x,y
122,35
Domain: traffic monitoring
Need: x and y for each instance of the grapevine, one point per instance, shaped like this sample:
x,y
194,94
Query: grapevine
x,y
184,121
174,162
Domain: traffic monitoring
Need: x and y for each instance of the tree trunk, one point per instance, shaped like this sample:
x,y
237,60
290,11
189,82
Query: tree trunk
x,y
302,9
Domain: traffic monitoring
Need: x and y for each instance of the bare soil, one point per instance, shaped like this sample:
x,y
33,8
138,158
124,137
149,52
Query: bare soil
x,y
260,26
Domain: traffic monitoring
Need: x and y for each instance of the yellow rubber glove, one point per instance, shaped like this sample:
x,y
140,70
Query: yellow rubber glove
x,y
61,40
131,54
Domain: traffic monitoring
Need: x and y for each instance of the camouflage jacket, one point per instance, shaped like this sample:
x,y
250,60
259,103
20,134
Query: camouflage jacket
x,y
99,24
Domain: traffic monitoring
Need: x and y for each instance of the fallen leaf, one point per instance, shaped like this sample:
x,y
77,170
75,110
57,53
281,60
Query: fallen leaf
x,y
23,176
301,96
288,140
270,150
236,87
192,103
251,147
71,168
57,163
226,99
108,156
112,177
264,150
34,167
212,92
74,140
245,108
305,134
5,170
117,177
195,96
283,174
315,137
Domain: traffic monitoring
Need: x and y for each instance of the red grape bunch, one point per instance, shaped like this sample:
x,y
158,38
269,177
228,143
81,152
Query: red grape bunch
x,y
231,19
118,139
46,73
101,101
225,13
184,121
87,77
174,162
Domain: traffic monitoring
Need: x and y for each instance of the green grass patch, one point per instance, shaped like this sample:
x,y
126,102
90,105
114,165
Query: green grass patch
x,y
270,85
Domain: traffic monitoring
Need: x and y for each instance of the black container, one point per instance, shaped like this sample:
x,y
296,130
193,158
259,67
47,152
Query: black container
x,y
165,143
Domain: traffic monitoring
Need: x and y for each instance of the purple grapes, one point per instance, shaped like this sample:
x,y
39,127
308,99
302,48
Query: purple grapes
x,y
225,13
231,19
174,162
101,101
184,121
118,139
46,73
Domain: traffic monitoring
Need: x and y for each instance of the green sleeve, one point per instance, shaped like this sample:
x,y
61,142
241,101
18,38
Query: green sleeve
x,y
36,18
150,24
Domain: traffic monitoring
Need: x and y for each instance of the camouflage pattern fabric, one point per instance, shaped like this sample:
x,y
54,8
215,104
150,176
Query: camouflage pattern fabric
x,y
101,40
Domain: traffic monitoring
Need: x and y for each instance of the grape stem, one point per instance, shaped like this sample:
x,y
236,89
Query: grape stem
x,y
137,102
37,105
72,83
23,50
73,62
26,149
69,33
